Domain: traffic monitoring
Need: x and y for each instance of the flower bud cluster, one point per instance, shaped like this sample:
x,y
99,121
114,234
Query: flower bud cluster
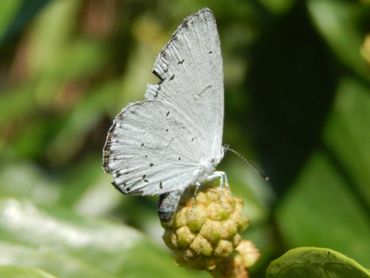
x,y
205,229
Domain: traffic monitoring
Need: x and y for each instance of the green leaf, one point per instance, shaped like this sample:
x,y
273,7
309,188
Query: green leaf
x,y
347,134
329,203
82,119
315,262
277,6
322,211
338,22
16,14
68,245
8,9
15,103
45,258
21,272
32,184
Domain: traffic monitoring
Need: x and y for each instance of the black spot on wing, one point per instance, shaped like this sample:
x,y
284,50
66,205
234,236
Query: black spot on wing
x,y
158,75
120,187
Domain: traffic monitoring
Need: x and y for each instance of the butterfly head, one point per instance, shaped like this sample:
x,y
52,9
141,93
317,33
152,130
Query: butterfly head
x,y
208,167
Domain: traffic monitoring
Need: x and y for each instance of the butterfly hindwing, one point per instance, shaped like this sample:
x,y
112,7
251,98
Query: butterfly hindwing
x,y
149,150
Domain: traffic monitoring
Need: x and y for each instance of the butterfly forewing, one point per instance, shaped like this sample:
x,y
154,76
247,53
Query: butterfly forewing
x,y
190,67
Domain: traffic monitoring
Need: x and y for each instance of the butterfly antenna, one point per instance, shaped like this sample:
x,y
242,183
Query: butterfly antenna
x,y
254,168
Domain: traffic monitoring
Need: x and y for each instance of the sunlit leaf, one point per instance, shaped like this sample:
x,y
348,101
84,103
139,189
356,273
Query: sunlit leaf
x,y
21,272
32,184
68,245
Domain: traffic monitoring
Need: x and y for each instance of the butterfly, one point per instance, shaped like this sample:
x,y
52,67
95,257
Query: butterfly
x,y
173,139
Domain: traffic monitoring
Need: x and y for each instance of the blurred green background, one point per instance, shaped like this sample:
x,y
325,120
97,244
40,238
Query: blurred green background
x,y
297,104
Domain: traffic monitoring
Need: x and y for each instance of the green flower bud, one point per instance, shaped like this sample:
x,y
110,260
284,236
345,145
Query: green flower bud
x,y
224,248
180,218
247,253
211,230
205,230
196,217
201,246
184,236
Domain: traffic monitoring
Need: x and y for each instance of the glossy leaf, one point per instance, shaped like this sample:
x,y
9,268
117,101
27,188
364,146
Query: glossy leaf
x,y
315,262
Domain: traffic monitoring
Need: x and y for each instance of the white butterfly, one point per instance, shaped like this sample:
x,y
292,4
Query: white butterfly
x,y
173,138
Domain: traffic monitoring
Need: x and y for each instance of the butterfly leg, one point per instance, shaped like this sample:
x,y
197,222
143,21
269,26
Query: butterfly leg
x,y
219,175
